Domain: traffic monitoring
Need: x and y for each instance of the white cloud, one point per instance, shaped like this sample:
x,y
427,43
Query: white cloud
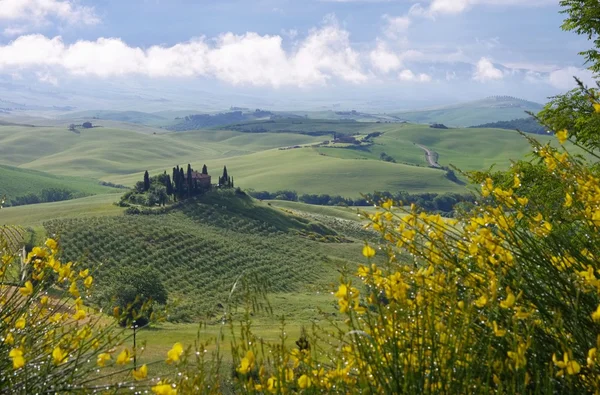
x,y
408,75
14,31
247,59
396,25
458,6
448,6
563,78
383,60
485,71
39,11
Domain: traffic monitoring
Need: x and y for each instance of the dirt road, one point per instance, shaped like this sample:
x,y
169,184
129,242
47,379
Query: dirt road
x,y
431,156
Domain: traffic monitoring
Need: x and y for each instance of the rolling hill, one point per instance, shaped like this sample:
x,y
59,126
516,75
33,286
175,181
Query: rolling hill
x,y
200,250
491,109
285,154
16,182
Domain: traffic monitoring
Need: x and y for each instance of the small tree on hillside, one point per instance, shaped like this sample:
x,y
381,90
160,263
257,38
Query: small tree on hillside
x,y
146,181
204,169
135,291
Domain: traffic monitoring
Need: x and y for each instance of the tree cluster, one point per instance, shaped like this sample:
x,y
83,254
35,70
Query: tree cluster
x,y
445,203
527,125
45,196
163,188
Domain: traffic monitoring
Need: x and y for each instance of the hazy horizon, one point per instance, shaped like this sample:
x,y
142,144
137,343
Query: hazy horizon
x,y
322,54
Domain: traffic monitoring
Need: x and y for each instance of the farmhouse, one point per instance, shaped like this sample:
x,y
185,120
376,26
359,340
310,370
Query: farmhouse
x,y
200,179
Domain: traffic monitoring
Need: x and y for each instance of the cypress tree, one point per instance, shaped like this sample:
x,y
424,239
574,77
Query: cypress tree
x,y
225,177
180,184
146,181
169,186
204,169
190,182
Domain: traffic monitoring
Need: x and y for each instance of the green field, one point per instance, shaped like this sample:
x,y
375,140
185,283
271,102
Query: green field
x,y
256,160
15,182
491,109
36,214
200,249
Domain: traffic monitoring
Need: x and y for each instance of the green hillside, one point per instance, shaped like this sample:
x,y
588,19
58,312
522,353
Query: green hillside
x,y
121,116
491,109
16,182
201,249
265,160
35,215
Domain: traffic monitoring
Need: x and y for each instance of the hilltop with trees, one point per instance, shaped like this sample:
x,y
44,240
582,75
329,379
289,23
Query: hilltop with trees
x,y
181,184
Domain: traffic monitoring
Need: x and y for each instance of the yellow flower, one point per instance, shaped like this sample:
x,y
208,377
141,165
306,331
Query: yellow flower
x,y
88,281
73,289
304,382
289,374
516,181
596,107
59,356
591,359
52,244
509,301
174,353
9,339
164,389
562,136
570,366
44,300
141,373
342,291
246,363
596,314
79,315
482,301
16,354
27,289
124,357
20,324
102,359
272,384
368,251
568,200
84,273
498,332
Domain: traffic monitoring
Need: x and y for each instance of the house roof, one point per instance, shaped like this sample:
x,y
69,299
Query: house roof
x,y
196,175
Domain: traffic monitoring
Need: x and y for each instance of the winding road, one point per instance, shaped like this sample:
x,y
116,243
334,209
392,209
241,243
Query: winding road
x,y
431,156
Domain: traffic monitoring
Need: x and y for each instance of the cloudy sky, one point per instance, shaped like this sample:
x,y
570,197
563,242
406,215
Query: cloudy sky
x,y
432,50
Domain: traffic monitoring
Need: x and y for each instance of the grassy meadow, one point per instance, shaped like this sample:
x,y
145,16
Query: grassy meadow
x,y
200,250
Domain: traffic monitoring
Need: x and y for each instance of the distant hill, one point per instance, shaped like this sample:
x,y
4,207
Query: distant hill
x,y
201,121
527,125
491,109
20,185
138,117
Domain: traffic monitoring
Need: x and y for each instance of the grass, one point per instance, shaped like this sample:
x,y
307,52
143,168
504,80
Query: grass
x,y
35,215
473,113
201,249
15,182
121,156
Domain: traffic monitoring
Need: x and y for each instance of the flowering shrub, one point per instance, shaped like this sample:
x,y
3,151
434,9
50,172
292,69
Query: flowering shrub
x,y
504,299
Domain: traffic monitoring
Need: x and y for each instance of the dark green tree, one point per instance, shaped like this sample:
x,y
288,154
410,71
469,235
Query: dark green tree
x,y
190,181
181,184
146,181
169,186
135,291
584,19
204,169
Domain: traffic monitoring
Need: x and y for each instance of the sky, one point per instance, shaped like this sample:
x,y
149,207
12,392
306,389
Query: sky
x,y
315,51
